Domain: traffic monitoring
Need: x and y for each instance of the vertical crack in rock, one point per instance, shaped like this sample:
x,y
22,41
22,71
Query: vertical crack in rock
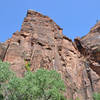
x,y
6,51
88,87
3,50
84,87
87,66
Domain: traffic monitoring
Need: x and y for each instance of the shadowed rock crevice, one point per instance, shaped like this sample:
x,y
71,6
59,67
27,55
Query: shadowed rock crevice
x,y
3,50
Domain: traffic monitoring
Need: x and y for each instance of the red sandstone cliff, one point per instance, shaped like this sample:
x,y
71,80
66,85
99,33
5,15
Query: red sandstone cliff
x,y
41,42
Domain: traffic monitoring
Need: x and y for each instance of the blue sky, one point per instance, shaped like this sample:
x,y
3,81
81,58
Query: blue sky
x,y
76,17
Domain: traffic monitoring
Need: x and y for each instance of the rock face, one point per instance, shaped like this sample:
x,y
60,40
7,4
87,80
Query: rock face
x,y
92,42
41,42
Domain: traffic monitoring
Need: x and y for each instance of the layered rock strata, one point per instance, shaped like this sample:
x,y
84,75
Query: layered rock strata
x,y
41,42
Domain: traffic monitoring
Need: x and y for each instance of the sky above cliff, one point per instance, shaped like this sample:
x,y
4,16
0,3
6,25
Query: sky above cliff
x,y
76,17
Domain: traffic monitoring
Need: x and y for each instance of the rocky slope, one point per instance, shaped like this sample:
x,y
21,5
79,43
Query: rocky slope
x,y
41,42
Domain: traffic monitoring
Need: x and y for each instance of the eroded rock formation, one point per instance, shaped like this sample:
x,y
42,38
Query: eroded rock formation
x,y
41,42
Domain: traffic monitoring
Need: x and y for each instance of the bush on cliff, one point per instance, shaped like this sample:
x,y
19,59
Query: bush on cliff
x,y
40,85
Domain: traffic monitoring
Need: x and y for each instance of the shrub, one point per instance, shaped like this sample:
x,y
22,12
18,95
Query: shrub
x,y
47,84
5,75
97,96
39,85
5,72
27,65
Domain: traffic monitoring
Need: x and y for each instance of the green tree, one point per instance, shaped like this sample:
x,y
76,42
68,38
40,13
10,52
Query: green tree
x,y
48,85
5,75
40,85
5,72
97,96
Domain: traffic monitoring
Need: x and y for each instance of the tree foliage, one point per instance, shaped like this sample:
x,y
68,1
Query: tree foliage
x,y
5,75
5,72
40,85
97,96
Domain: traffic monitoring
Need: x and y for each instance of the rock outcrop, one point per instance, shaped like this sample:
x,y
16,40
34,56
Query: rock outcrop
x,y
92,42
41,42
